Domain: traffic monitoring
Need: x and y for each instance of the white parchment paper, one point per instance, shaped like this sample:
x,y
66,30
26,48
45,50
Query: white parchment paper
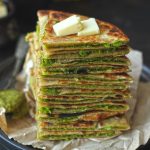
x,y
130,140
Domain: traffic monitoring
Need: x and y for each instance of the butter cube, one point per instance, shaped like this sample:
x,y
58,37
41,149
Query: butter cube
x,y
68,26
90,27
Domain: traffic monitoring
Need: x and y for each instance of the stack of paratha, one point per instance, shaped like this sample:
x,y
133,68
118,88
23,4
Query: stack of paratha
x,y
80,83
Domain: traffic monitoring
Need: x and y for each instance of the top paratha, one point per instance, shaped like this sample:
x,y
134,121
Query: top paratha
x,y
109,35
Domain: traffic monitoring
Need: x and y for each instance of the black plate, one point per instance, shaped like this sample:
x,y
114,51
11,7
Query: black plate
x,y
10,144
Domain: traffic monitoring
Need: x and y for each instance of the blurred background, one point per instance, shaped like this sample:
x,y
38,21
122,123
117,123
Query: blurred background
x,y
132,16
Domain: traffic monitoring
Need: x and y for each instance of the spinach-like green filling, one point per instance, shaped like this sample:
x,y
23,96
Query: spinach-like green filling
x,y
92,78
47,62
109,60
49,136
88,86
50,91
81,101
57,91
59,120
86,45
107,107
94,127
45,110
84,53
83,70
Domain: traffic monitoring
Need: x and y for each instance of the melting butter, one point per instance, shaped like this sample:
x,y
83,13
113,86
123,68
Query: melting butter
x,y
90,27
68,26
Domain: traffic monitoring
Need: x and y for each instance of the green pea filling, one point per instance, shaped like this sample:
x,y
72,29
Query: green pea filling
x,y
51,91
81,70
96,86
45,110
57,91
80,101
60,120
84,53
69,137
59,128
108,107
86,45
49,62
94,78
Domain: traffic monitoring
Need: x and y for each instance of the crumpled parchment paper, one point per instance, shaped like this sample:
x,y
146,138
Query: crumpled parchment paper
x,y
3,123
130,140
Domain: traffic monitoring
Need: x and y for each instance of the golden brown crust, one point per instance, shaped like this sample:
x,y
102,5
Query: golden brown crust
x,y
109,33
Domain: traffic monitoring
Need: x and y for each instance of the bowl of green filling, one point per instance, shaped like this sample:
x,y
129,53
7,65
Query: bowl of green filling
x,y
14,103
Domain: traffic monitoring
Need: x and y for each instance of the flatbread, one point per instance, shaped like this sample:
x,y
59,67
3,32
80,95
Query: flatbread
x,y
45,108
118,123
120,61
87,116
109,33
111,78
90,69
74,53
80,83
68,135
79,91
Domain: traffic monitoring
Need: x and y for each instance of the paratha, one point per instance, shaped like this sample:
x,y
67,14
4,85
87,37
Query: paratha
x,y
110,35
